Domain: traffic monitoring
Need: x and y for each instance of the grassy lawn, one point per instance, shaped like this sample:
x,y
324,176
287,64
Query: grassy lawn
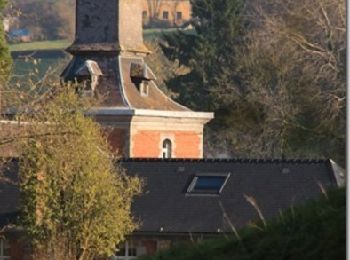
x,y
43,45
149,34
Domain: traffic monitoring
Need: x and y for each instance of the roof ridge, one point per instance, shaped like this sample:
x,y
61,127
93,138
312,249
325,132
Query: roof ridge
x,y
214,160
227,160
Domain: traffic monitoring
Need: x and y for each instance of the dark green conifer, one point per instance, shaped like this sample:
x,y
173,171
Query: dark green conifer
x,y
208,52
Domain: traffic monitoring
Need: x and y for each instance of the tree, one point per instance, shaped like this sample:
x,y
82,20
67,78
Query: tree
x,y
75,200
208,53
46,20
5,58
292,66
274,73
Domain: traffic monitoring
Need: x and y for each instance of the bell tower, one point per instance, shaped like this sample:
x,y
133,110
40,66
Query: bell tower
x,y
108,63
108,25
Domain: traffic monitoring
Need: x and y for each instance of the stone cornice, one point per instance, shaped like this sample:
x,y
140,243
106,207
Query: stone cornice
x,y
124,111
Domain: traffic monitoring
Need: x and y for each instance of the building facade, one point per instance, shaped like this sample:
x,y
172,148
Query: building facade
x,y
179,203
167,13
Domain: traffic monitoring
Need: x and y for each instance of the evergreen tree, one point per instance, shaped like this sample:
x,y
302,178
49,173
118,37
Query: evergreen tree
x,y
208,52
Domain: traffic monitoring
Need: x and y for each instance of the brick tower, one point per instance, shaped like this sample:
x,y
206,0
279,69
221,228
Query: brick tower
x,y
108,63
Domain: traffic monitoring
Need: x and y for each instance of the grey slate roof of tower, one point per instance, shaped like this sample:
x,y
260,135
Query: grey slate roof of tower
x,y
109,34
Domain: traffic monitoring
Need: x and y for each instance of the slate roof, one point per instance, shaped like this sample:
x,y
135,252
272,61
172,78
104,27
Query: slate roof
x,y
275,185
156,99
115,86
166,205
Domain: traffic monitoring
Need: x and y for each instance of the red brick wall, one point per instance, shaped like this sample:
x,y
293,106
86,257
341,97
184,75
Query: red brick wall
x,y
148,144
188,145
145,144
117,140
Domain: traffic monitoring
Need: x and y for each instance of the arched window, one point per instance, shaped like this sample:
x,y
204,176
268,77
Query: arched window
x,y
167,148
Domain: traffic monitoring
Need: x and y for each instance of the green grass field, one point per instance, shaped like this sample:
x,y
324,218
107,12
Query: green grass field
x,y
149,34
44,45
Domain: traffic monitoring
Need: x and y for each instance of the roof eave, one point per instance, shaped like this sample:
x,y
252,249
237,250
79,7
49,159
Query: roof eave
x,y
124,111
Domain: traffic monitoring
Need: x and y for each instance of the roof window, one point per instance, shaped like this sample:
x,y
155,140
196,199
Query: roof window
x,y
88,74
208,184
141,76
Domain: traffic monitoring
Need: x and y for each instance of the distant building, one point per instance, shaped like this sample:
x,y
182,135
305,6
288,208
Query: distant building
x,y
165,13
14,32
20,35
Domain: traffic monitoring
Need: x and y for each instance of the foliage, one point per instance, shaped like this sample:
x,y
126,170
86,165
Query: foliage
x,y
274,73
5,58
316,230
208,53
292,68
75,202
46,20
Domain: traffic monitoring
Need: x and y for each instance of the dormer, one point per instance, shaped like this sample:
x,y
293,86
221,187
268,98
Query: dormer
x,y
88,76
141,76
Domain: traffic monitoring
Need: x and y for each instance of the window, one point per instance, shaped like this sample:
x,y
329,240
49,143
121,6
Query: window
x,y
88,77
166,148
4,250
126,252
208,184
143,87
144,15
141,76
165,15
178,16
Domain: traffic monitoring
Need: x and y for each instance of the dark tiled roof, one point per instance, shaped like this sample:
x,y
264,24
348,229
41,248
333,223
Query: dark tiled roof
x,y
274,184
